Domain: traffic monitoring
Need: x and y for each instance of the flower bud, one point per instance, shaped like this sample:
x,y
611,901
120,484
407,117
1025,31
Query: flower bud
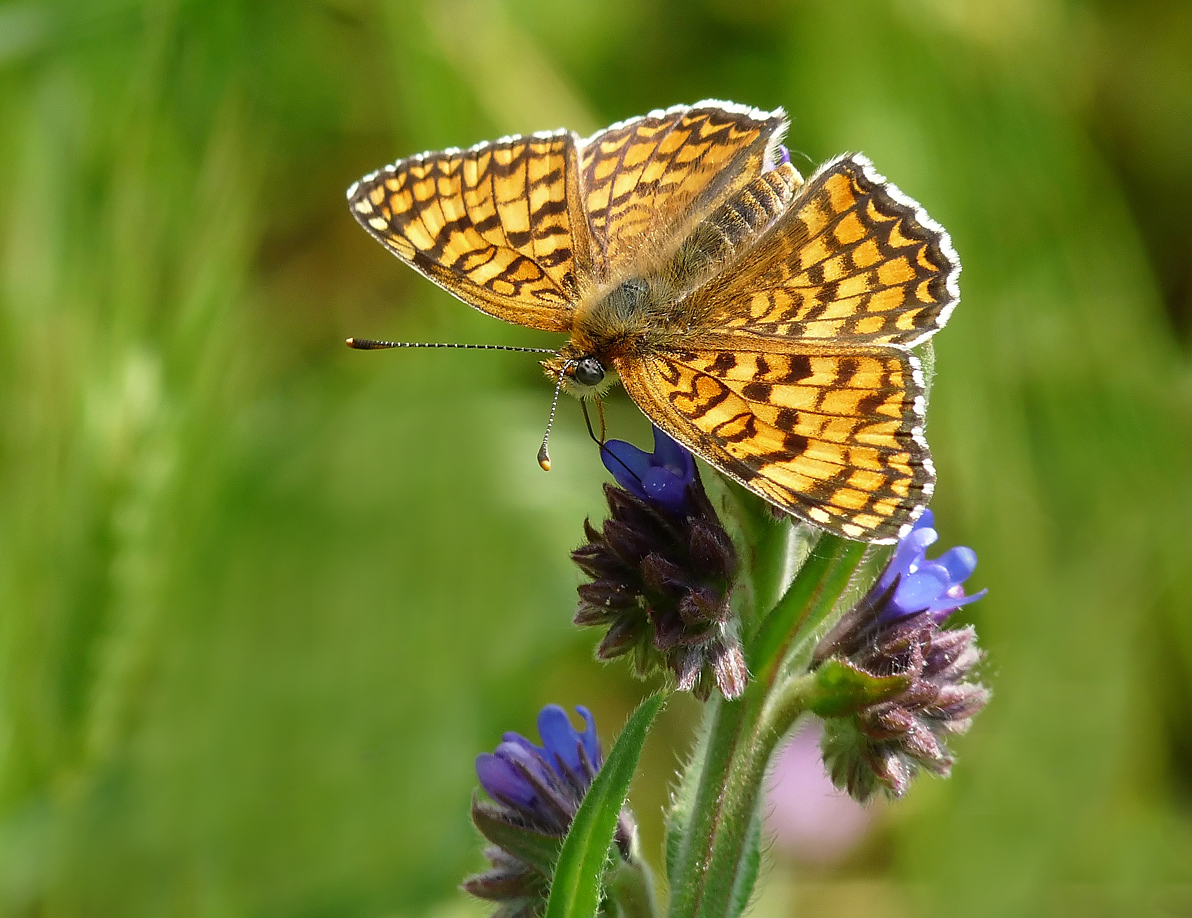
x,y
897,631
662,569
535,792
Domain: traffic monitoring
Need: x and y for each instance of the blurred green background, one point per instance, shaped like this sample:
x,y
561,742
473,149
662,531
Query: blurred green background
x,y
262,599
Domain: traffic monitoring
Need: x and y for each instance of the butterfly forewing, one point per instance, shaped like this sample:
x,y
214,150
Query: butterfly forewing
x,y
499,225
852,260
646,180
834,436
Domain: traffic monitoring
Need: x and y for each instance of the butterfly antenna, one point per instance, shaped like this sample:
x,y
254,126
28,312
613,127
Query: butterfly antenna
x,y
543,454
370,344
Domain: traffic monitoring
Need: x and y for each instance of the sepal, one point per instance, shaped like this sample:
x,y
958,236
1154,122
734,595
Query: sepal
x,y
536,849
841,688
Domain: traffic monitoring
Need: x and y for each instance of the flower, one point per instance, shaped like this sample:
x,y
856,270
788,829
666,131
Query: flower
x,y
662,569
920,585
895,634
535,793
662,477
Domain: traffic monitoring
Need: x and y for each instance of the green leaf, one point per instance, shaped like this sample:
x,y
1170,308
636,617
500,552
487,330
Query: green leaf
x,y
575,889
840,688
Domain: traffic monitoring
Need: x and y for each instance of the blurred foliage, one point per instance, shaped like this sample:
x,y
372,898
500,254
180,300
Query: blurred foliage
x,y
263,599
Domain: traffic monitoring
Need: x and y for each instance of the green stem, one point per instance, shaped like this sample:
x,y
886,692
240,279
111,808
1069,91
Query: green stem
x,y
805,605
772,558
706,868
710,862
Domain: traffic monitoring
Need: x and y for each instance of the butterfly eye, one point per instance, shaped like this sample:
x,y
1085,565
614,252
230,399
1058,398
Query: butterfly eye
x,y
588,371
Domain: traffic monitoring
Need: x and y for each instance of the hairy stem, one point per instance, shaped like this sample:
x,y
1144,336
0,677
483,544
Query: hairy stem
x,y
711,862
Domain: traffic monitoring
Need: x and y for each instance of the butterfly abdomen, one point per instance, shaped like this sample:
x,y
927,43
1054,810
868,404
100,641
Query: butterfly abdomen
x,y
731,227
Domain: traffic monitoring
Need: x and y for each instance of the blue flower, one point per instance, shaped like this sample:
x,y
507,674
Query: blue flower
x,y
662,571
543,780
535,791
920,585
661,478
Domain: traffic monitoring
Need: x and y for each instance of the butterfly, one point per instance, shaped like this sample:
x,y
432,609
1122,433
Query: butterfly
x,y
762,320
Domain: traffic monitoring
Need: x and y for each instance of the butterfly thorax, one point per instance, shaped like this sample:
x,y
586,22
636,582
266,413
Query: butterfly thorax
x,y
661,308
635,318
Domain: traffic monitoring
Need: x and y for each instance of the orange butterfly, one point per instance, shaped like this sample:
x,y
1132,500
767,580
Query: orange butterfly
x,y
762,321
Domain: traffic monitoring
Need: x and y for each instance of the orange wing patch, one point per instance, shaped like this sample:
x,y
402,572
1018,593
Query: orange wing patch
x,y
646,179
500,225
852,261
832,436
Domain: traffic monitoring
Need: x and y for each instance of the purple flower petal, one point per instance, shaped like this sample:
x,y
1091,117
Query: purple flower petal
x,y
589,738
628,464
660,477
960,563
559,737
951,601
908,555
920,589
670,453
664,487
502,781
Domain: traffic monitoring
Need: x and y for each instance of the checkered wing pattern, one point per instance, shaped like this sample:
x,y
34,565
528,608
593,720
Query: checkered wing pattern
x,y
499,225
832,435
804,389
851,261
647,181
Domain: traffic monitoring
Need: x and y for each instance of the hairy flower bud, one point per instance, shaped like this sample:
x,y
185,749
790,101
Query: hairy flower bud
x,y
897,630
662,569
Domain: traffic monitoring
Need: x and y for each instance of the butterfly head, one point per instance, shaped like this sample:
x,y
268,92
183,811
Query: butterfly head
x,y
582,375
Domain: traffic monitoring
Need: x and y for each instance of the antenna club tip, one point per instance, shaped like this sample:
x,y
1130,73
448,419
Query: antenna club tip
x,y
545,463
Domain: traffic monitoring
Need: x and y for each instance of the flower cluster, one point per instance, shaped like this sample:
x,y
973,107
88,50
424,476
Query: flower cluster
x,y
897,630
662,569
535,792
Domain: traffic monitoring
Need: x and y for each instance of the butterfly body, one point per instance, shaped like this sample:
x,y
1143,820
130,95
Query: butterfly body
x,y
763,321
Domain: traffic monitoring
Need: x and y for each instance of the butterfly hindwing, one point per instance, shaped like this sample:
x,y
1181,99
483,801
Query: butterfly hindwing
x,y
851,261
834,436
647,179
499,225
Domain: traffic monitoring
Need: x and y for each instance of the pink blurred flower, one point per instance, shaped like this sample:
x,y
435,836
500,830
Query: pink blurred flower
x,y
806,816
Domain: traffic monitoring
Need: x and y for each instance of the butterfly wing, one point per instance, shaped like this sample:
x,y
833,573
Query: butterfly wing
x,y
805,390
851,261
499,225
649,179
832,435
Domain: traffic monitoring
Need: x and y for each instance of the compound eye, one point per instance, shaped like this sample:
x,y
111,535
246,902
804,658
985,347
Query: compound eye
x,y
588,371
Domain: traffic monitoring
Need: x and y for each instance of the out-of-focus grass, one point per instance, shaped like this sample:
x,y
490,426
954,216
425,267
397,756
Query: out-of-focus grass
x,y
263,599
